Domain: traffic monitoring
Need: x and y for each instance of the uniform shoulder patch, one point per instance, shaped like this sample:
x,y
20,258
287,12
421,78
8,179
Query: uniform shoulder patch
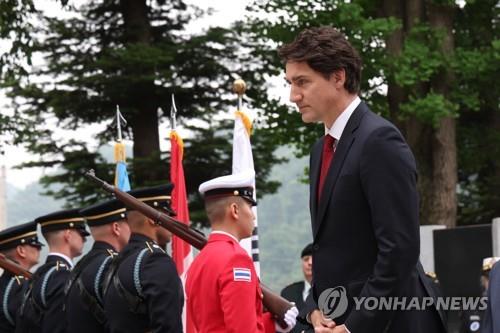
x,y
242,274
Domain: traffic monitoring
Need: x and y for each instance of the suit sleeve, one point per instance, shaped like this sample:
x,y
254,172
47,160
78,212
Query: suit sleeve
x,y
163,292
54,319
310,303
388,176
238,298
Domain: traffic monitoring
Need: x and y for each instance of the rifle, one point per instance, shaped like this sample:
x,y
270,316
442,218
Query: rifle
x,y
274,303
13,267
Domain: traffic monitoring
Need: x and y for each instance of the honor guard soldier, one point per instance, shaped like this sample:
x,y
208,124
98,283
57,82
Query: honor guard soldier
x,y
110,230
43,303
222,288
477,320
297,292
143,292
19,244
491,320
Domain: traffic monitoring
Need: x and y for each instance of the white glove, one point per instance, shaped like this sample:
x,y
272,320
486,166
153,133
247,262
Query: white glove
x,y
290,320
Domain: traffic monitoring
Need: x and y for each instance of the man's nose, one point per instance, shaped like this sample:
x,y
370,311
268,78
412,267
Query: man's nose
x,y
295,96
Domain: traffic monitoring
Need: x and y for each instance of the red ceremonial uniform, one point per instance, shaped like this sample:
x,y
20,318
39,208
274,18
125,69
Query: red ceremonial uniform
x,y
222,288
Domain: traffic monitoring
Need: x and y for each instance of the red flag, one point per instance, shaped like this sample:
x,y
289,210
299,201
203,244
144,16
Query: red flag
x,y
181,251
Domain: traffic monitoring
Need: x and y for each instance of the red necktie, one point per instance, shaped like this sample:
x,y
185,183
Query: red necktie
x,y
326,160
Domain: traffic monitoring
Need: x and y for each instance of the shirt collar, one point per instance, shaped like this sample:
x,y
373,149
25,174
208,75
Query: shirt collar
x,y
341,122
65,257
307,285
224,233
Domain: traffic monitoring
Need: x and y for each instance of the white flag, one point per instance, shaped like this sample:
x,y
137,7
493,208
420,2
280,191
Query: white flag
x,y
243,160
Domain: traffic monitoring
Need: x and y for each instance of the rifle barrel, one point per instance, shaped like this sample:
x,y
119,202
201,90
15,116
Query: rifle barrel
x,y
273,302
13,267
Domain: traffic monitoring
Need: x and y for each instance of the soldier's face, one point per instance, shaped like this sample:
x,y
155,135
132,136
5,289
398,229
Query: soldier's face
x,y
164,236
123,233
76,241
307,267
31,255
246,218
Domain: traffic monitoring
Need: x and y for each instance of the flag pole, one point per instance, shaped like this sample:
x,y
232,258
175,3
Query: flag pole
x,y
119,123
240,163
173,114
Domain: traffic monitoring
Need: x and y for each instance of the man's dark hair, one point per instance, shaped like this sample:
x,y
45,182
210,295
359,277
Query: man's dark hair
x,y
325,50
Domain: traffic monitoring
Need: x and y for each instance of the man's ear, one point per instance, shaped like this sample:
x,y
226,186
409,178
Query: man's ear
x,y
233,211
21,251
67,235
115,228
338,78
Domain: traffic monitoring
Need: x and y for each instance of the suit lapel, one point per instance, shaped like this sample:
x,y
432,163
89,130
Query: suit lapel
x,y
343,146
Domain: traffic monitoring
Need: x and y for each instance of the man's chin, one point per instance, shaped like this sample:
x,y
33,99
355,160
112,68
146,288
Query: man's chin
x,y
306,118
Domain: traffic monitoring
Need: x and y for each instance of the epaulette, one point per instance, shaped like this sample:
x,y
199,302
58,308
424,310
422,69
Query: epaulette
x,y
20,279
153,247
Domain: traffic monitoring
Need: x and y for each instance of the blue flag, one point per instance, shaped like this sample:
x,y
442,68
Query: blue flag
x,y
121,177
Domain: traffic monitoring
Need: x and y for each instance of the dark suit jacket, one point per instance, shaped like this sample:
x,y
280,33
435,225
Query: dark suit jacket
x,y
293,293
491,322
366,229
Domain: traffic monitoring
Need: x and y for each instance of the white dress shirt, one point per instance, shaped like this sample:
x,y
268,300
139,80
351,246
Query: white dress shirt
x,y
305,292
339,125
65,257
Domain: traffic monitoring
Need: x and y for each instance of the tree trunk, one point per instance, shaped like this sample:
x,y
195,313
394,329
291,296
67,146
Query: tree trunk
x,y
434,149
394,44
444,149
142,106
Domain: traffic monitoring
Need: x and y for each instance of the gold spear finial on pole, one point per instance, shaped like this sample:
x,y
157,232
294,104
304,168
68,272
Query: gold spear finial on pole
x,y
239,87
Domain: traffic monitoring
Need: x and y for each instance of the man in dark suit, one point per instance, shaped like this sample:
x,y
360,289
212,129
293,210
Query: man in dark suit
x,y
19,244
43,304
297,292
84,306
363,195
143,291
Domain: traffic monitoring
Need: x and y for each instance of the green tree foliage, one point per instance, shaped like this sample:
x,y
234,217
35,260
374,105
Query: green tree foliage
x,y
477,65
276,22
135,54
438,62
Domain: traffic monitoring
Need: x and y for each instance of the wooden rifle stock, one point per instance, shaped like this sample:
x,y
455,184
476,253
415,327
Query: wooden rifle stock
x,y
273,302
13,267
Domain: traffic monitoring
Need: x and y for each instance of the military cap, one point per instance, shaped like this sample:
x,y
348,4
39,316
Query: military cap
x,y
104,212
238,184
23,234
307,251
155,196
489,262
63,219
